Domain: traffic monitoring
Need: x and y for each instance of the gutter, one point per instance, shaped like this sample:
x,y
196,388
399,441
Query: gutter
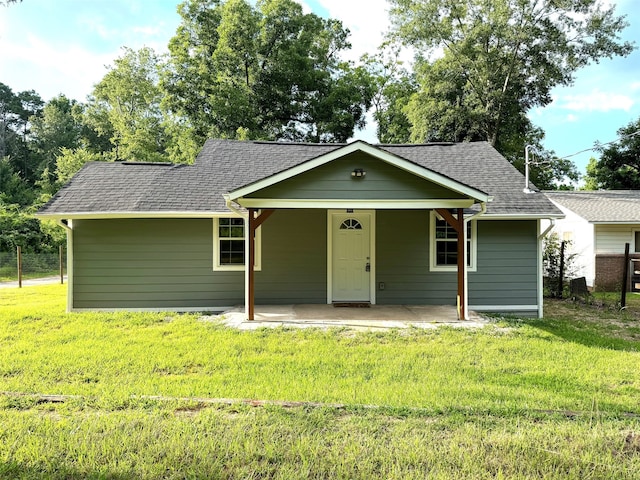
x,y
245,216
64,223
552,223
229,203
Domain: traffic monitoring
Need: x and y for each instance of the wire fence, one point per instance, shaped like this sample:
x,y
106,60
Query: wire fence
x,y
33,265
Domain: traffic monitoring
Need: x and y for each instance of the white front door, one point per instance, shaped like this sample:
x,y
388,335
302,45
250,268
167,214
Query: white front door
x,y
351,257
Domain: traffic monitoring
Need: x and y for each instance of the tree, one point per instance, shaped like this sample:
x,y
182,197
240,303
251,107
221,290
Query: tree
x,y
126,103
13,189
394,86
482,66
16,110
269,71
59,126
619,165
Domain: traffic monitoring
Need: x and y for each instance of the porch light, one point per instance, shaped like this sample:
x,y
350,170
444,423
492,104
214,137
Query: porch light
x,y
358,172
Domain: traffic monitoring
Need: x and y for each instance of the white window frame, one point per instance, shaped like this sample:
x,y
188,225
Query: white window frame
x,y
433,266
634,233
216,248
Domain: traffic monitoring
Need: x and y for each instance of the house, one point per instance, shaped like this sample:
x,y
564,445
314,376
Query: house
x,y
321,223
599,224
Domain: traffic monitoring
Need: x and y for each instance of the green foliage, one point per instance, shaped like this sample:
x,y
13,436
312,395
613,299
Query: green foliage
x,y
59,126
553,256
16,110
13,189
128,100
270,70
495,62
23,230
619,165
394,86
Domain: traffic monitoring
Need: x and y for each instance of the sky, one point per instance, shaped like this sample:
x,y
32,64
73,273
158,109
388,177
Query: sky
x,y
66,46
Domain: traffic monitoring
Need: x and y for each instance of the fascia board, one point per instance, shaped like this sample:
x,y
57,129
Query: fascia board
x,y
355,204
522,216
107,215
617,222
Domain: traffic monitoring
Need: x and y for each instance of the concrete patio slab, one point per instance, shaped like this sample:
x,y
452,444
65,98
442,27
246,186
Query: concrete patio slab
x,y
375,317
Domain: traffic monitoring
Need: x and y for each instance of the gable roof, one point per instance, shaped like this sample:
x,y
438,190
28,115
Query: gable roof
x,y
601,206
378,153
224,166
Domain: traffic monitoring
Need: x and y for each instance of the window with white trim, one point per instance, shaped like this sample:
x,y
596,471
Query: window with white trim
x,y
229,244
636,241
444,245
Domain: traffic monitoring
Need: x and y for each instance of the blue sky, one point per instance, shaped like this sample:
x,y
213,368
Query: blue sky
x,y
64,46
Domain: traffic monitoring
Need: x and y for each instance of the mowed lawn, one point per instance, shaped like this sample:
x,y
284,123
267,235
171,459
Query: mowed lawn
x,y
552,398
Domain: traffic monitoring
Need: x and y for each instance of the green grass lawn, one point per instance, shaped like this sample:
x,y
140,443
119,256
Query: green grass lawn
x,y
9,275
552,398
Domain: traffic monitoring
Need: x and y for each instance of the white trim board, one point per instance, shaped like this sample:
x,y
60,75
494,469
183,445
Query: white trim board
x,y
503,308
359,204
158,214
159,309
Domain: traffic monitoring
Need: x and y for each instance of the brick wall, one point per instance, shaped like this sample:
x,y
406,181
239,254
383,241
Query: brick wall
x,y
609,270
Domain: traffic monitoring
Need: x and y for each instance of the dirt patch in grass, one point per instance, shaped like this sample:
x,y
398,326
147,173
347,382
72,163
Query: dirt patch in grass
x,y
600,315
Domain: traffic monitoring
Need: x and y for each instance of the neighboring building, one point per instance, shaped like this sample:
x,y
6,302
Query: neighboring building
x,y
599,224
332,223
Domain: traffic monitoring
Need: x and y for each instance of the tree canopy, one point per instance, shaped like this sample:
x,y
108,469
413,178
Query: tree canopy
x,y
481,66
268,72
618,167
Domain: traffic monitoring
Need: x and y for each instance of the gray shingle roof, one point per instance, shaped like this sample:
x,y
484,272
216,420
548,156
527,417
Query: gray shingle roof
x,y
601,205
225,165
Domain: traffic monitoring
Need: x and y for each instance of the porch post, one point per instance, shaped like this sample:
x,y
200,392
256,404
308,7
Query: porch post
x,y
462,247
249,264
253,223
458,225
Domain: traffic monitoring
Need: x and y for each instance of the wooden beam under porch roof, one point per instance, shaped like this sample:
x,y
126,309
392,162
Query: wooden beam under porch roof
x,y
457,223
254,222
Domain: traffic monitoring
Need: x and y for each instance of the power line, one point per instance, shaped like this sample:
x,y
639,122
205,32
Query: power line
x,y
595,147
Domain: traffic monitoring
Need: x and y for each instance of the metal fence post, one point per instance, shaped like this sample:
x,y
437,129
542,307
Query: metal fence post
x,y
625,274
561,279
19,255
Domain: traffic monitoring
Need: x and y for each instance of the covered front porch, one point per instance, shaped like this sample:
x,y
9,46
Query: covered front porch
x,y
374,317
352,187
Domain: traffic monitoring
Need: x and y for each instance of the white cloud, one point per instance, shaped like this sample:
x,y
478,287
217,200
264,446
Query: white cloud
x,y
572,118
49,70
368,21
595,101
95,24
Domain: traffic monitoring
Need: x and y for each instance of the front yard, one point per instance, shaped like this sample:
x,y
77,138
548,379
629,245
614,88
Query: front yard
x,y
552,398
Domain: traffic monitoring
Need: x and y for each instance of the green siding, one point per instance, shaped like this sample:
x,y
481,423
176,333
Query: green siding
x,y
149,263
167,263
402,261
294,258
506,270
333,180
